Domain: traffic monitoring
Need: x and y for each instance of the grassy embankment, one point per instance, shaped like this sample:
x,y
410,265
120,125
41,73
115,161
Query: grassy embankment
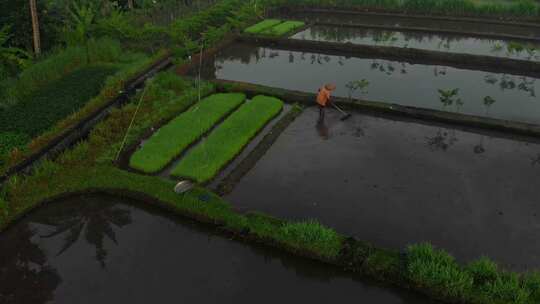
x,y
172,139
224,143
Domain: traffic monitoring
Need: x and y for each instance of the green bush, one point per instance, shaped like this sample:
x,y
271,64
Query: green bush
x,y
437,271
262,26
223,144
172,139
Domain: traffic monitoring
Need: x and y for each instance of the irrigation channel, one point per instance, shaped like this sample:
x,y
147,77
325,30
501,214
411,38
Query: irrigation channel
x,y
102,249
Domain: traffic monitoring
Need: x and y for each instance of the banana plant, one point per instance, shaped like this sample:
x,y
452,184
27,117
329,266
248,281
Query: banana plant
x,y
11,58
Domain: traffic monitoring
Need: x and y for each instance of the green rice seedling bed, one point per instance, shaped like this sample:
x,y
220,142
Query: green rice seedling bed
x,y
283,28
48,105
172,139
207,159
262,26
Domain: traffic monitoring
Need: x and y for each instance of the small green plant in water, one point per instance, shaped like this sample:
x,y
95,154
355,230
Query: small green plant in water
x,y
356,85
450,97
497,47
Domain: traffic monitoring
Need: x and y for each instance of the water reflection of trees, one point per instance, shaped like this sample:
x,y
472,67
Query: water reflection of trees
x,y
94,220
511,82
24,272
404,38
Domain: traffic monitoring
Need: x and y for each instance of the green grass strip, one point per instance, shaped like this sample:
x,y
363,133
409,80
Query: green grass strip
x,y
261,26
283,28
205,160
171,140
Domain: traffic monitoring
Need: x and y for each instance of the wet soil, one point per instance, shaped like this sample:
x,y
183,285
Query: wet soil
x,y
425,41
102,249
494,95
473,27
394,183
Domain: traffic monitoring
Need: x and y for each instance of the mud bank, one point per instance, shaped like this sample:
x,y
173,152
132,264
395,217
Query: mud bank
x,y
128,253
394,183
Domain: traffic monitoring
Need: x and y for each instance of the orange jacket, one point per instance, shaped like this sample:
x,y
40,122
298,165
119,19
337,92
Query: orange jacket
x,y
323,97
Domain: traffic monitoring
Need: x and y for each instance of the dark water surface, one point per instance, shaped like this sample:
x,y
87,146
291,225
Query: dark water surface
x,y
468,27
394,183
508,96
424,41
99,249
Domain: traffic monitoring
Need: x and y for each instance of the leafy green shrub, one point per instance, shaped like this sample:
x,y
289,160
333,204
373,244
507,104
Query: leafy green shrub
x,y
311,235
223,144
437,271
172,139
263,25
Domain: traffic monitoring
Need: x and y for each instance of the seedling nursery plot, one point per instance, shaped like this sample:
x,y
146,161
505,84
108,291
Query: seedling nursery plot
x,y
171,140
214,152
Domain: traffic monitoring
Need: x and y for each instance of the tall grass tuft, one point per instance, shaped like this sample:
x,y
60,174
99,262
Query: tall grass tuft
x,y
436,270
312,235
483,270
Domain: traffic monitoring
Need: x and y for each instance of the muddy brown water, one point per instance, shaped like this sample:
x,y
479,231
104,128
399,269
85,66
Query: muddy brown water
x,y
502,96
102,249
395,183
424,41
468,27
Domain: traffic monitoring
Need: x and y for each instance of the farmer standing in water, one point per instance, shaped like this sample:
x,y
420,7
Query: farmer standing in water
x,y
323,98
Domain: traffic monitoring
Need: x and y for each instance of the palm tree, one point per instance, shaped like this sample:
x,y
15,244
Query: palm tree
x,y
35,27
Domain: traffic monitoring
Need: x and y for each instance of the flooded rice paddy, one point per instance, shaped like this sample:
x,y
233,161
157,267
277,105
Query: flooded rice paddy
x,y
432,24
425,41
102,249
394,183
502,96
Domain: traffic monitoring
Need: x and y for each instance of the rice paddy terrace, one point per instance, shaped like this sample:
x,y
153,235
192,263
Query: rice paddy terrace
x,y
442,148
